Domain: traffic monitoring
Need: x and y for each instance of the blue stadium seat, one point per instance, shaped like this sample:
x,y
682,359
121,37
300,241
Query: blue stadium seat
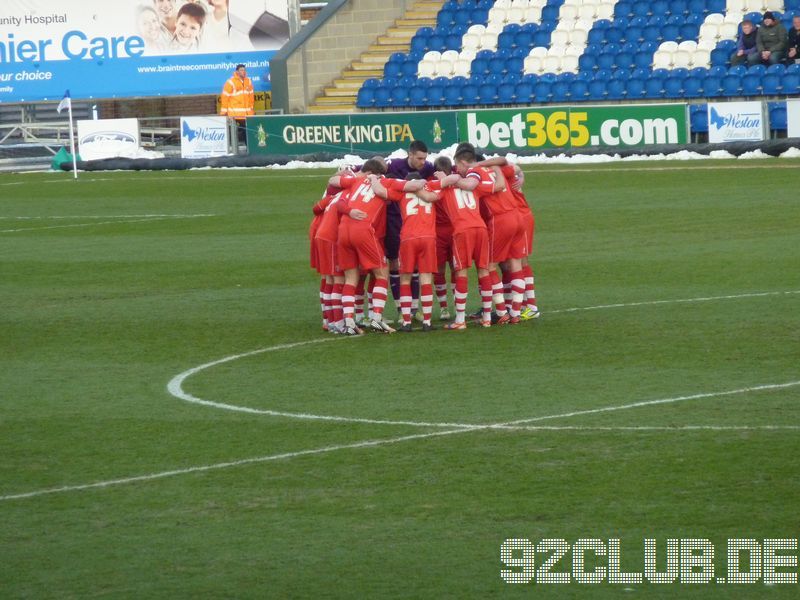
x,y
579,90
660,7
567,77
719,57
479,66
712,86
407,81
623,9
648,46
635,88
731,85
531,78
695,19
541,38
718,71
596,36
621,74
417,96
698,118
777,116
524,39
630,47
614,35
586,76
757,70
452,95
469,94
633,34
755,17
698,7
770,84
638,22
616,89
610,48
776,69
679,7
692,86
409,67
542,91
737,70
392,69
506,40
560,91
462,17
716,6
641,9
548,77
523,92
727,45
597,90
587,62
435,95
658,20
365,98
446,18
751,85
661,73
497,64
699,72
512,78
790,84
689,31
652,33
673,87
602,75
793,69
654,87
550,13
624,60
383,97
505,93
426,82
640,73
670,33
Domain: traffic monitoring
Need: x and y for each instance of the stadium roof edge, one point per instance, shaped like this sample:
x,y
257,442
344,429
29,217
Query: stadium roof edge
x,y
279,76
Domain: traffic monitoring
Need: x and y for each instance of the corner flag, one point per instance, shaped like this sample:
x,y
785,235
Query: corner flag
x,y
65,102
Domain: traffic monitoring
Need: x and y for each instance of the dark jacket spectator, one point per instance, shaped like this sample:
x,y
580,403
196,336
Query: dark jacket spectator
x,y
793,49
771,40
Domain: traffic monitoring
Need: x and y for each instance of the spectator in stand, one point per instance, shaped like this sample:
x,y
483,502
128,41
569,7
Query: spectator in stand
x,y
746,45
793,52
771,40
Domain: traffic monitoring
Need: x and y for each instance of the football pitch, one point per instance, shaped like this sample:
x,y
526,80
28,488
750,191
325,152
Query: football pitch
x,y
174,423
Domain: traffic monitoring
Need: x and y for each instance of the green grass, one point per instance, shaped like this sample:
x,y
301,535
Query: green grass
x,y
99,314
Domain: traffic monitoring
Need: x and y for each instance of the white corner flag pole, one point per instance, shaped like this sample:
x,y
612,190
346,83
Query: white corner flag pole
x,y
72,143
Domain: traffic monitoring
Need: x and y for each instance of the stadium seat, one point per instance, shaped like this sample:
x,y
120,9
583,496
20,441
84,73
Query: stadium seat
x,y
757,70
635,88
692,87
616,89
365,97
698,118
542,91
770,84
382,97
654,87
578,90
712,86
751,85
597,90
777,116
523,92
790,84
731,85
673,87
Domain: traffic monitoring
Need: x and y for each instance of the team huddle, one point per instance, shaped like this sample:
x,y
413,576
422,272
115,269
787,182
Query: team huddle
x,y
400,224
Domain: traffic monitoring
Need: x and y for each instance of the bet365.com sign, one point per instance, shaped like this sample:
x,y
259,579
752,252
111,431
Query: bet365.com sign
x,y
575,127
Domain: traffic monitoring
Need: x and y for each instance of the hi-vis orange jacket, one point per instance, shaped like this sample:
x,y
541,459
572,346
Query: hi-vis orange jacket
x,y
238,98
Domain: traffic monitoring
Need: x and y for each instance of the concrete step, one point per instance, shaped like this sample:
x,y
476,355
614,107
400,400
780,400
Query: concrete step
x,y
379,58
363,73
388,48
342,108
349,82
339,93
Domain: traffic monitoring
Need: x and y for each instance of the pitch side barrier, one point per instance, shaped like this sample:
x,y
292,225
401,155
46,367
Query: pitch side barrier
x,y
624,130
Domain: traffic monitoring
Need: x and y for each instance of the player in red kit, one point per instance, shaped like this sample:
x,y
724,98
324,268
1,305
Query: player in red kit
x,y
470,239
506,237
359,244
326,235
417,252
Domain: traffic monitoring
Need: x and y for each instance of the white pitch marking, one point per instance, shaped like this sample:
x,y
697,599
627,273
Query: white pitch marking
x,y
225,465
109,217
175,385
148,220
369,443
646,428
679,301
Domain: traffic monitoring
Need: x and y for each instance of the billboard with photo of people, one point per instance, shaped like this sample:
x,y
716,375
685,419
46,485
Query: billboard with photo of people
x,y
134,48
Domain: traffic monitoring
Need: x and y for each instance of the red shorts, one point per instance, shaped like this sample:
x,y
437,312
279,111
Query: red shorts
x,y
470,245
325,257
444,246
527,226
418,254
359,248
506,237
313,254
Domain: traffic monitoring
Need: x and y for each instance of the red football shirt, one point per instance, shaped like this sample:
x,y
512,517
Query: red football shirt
x,y
495,202
419,217
461,206
328,226
510,173
360,195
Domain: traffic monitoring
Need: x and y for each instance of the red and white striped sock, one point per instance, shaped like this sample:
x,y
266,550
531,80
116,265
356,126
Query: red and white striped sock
x,y
517,292
360,299
485,287
497,290
370,287
440,284
348,303
530,288
336,303
322,284
426,300
379,293
461,299
405,302
507,276
326,299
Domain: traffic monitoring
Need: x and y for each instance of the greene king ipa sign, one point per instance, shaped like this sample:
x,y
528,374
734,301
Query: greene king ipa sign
x,y
380,132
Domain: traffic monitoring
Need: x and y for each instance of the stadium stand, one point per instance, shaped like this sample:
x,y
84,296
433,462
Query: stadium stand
x,y
508,52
